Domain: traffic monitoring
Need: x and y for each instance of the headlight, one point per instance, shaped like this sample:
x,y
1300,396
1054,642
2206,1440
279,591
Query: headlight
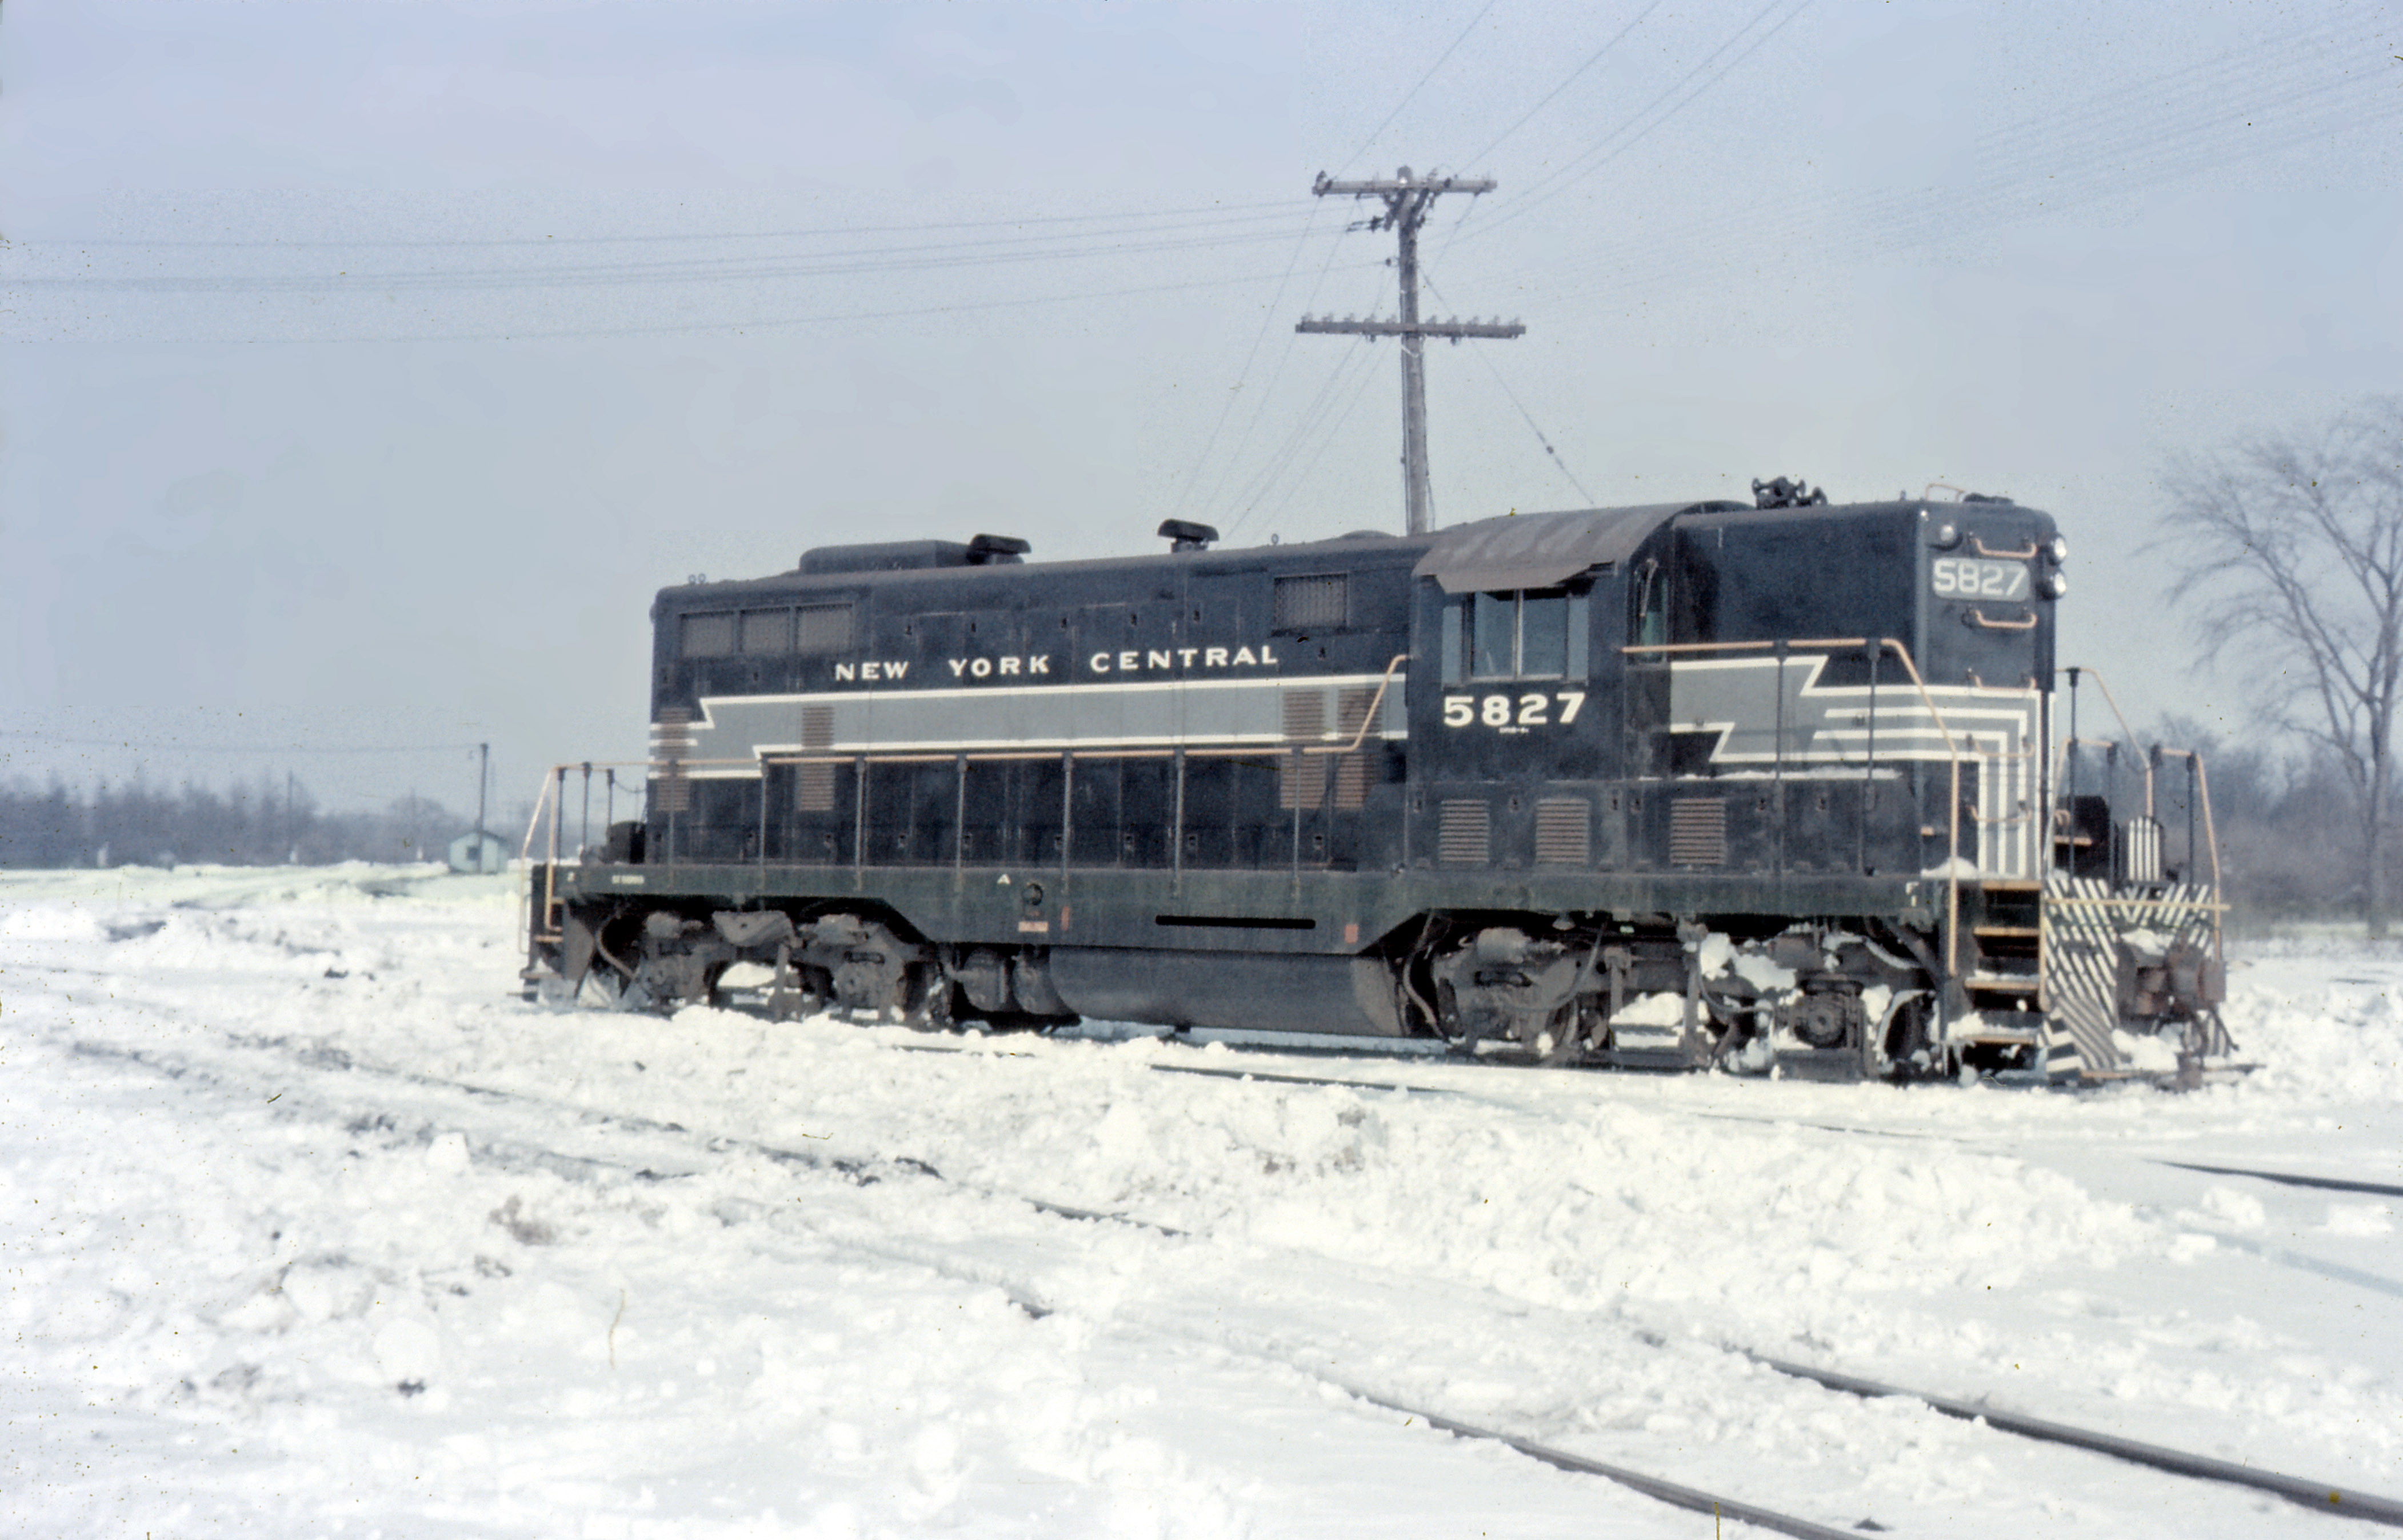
x,y
2054,584
1945,535
2058,550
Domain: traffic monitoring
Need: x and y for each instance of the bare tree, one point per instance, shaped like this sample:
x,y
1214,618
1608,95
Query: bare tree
x,y
2291,545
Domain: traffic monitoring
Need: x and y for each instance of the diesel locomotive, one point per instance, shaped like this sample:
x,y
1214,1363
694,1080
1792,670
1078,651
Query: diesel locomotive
x,y
1782,787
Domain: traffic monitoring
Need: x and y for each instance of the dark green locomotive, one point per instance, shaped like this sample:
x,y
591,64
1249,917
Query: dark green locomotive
x,y
1767,787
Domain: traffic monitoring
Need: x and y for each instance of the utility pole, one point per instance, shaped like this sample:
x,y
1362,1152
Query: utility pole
x,y
483,775
1407,199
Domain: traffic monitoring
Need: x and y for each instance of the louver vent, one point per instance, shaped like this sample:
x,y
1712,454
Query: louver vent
x,y
817,781
821,629
1301,778
1351,770
1310,603
1698,832
1465,836
707,635
1563,831
672,744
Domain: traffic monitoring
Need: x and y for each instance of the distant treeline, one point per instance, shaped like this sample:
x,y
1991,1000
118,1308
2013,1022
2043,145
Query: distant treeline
x,y
268,823
2290,836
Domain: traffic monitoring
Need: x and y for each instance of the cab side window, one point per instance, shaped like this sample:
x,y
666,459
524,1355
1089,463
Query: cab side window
x,y
1648,623
1529,633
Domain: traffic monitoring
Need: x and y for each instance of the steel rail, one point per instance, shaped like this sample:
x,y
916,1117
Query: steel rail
x,y
864,1171
2333,1183
1658,1489
2320,1496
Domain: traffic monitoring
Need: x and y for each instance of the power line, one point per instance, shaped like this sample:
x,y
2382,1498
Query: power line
x,y
775,322
1326,441
1407,200
1268,391
1253,422
2231,129
1255,489
978,253
545,241
1268,319
1557,181
1593,59
1409,95
1558,463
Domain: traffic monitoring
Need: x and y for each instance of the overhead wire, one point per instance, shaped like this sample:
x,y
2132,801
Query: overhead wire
x,y
1242,375
1486,357
1412,94
1349,369
547,242
1327,439
1571,78
2199,122
2053,175
1268,391
685,328
1624,138
922,257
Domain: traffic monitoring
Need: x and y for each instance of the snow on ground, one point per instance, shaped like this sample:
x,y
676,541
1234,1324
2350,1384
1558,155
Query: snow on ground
x,y
312,1226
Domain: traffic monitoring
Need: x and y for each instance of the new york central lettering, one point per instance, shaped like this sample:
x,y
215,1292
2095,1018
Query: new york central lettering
x,y
1163,660
1038,665
1006,667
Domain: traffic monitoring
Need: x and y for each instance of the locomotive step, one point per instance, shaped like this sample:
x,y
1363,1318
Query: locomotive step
x,y
2005,1036
2003,983
2029,931
1818,1064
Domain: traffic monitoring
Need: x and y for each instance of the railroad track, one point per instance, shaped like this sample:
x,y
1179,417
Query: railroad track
x,y
508,1152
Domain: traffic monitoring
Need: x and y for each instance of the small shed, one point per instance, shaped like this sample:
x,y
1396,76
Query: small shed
x,y
479,851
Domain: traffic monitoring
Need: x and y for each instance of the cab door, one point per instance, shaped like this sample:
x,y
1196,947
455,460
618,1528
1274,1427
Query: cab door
x,y
1506,737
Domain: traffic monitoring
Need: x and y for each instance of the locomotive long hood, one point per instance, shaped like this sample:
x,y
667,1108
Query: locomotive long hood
x,y
1542,551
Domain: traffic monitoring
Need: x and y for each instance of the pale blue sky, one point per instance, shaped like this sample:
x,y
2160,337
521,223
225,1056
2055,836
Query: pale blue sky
x,y
370,366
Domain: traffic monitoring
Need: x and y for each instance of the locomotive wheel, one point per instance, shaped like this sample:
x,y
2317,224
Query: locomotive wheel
x,y
1450,1024
933,1012
1570,1029
600,987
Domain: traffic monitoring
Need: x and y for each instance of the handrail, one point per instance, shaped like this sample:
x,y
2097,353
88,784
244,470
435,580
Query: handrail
x,y
1376,704
2211,835
1952,836
2113,701
1978,618
2026,555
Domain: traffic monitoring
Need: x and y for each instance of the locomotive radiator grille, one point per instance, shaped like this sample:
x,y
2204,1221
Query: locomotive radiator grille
x,y
1301,778
1563,832
1351,770
674,744
817,781
1464,834
1698,832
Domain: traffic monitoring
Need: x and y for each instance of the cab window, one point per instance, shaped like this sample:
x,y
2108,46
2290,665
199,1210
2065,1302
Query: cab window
x,y
1531,633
